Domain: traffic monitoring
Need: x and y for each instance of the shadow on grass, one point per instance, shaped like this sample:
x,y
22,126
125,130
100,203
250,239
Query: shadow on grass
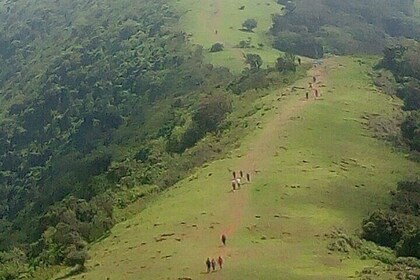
x,y
245,30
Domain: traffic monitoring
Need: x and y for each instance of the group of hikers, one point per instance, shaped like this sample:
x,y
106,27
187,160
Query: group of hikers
x,y
236,181
236,184
211,264
315,90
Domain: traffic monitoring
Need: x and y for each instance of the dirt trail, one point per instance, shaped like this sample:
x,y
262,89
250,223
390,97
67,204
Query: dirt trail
x,y
262,147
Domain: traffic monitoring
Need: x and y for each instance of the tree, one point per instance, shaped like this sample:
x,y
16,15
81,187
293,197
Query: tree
x,y
286,63
217,47
211,111
249,24
410,130
253,60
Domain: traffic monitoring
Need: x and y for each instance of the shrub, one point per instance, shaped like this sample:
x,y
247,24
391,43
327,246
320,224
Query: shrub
x,y
286,63
217,47
386,228
249,24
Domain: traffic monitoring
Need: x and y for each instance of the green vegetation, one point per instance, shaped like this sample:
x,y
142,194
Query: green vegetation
x,y
286,63
402,60
312,27
105,108
249,24
217,47
207,22
306,186
106,102
253,60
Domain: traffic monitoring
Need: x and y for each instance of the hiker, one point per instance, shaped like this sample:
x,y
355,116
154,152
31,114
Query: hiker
x,y
314,79
307,95
241,174
208,264
224,239
316,93
238,182
234,174
213,264
233,185
220,262
299,60
310,85
248,177
215,31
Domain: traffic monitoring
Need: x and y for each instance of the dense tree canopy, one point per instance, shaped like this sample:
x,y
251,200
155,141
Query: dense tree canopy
x,y
342,27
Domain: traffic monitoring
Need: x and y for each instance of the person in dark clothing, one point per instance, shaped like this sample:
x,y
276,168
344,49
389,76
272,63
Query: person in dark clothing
x,y
233,184
234,174
314,79
241,174
307,95
248,177
208,264
220,262
299,61
224,239
213,264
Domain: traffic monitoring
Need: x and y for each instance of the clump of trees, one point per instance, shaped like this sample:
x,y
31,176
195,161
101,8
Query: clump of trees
x,y
253,60
399,226
402,61
286,63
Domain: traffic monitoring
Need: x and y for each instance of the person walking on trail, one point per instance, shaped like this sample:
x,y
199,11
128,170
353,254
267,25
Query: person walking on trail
x,y
213,264
316,93
208,264
238,182
234,174
248,177
233,185
314,79
307,95
241,174
224,239
220,262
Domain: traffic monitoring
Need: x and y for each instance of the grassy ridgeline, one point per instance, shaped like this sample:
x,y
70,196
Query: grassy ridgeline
x,y
319,168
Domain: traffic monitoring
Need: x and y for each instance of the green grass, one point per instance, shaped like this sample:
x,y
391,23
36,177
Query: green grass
x,y
202,18
321,146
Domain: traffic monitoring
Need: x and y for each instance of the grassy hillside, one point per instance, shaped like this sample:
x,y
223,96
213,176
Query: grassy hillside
x,y
202,18
315,166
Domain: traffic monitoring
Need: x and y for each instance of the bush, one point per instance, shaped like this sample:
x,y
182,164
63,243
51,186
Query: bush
x,y
409,246
286,63
410,130
249,24
217,47
386,228
76,257
253,60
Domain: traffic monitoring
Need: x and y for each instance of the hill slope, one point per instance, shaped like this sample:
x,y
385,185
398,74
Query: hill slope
x,y
209,22
310,155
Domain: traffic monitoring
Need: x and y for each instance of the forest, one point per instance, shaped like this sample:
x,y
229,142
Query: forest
x,y
312,27
98,100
